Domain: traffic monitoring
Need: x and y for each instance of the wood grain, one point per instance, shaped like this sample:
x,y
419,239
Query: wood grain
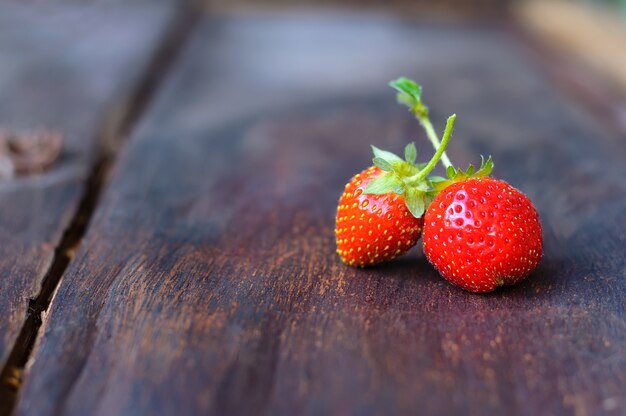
x,y
208,282
65,69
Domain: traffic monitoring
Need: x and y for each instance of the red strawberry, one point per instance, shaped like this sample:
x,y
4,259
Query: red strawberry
x,y
481,233
373,228
380,213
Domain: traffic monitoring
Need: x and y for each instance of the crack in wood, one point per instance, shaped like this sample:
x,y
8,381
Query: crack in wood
x,y
116,127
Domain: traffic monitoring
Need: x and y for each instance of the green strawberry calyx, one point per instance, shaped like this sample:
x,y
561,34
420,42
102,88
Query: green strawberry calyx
x,y
457,175
405,177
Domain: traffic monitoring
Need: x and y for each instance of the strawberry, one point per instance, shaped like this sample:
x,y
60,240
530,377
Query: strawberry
x,y
481,233
380,213
373,228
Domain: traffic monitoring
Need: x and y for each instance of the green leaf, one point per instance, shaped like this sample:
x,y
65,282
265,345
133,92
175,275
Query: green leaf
x,y
408,88
406,100
410,152
410,94
382,163
415,202
441,185
382,184
399,189
456,175
385,155
429,198
435,179
438,183
423,186
485,167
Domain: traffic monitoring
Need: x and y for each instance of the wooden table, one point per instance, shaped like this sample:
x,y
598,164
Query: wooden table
x,y
179,257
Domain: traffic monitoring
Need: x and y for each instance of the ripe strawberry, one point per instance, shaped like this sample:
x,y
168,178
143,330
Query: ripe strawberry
x,y
481,233
373,228
380,213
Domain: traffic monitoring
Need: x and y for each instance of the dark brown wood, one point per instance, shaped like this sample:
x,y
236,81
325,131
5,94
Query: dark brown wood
x,y
68,70
208,281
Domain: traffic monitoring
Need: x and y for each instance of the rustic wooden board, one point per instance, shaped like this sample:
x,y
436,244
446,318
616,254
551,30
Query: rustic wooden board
x,y
63,68
208,282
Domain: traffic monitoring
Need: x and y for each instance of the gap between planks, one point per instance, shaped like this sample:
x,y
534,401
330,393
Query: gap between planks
x,y
112,134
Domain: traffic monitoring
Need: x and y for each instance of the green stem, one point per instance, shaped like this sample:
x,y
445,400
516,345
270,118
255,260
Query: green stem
x,y
419,176
432,136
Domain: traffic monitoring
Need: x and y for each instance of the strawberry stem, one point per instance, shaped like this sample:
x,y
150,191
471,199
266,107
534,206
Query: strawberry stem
x,y
441,147
432,136
410,94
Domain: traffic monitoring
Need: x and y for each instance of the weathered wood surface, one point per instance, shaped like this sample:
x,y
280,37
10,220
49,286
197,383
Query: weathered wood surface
x,y
208,282
61,68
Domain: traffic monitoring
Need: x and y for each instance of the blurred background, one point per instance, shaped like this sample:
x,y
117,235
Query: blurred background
x,y
581,43
593,31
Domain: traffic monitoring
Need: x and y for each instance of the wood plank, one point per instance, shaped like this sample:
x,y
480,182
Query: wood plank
x,y
208,282
66,69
